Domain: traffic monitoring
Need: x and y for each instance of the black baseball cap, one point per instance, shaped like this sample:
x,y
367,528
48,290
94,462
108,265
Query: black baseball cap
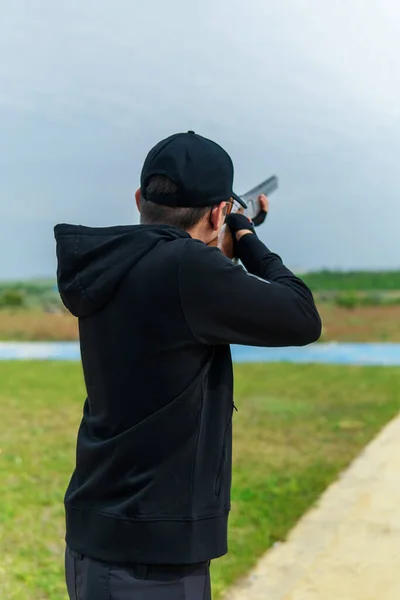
x,y
201,169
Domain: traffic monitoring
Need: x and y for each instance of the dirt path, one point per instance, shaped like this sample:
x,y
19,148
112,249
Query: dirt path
x,y
348,547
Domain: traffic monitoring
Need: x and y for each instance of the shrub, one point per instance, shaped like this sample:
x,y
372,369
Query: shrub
x,y
348,300
12,298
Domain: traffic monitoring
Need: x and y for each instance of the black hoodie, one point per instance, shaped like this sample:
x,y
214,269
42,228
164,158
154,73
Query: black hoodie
x,y
157,312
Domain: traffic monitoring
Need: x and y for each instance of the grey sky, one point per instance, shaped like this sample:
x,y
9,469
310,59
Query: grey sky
x,y
304,89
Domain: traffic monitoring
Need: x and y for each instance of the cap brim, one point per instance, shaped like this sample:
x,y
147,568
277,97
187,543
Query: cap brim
x,y
239,200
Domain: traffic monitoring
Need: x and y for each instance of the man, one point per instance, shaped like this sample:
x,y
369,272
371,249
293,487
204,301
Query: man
x,y
158,305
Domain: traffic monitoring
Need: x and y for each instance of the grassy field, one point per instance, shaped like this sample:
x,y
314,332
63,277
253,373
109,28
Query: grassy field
x,y
297,427
364,323
353,280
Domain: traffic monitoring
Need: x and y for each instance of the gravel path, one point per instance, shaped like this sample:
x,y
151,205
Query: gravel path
x,y
348,546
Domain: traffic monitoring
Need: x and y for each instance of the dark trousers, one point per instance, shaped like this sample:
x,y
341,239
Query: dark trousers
x,y
89,579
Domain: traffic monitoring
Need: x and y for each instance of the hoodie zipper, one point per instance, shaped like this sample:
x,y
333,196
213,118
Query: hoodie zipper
x,y
217,487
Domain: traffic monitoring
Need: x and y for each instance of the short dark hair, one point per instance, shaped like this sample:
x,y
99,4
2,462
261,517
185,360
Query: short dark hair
x,y
152,213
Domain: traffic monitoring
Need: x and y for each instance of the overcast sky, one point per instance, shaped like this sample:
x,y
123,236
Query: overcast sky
x,y
306,89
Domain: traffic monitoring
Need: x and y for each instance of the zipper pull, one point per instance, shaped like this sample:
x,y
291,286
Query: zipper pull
x,y
235,407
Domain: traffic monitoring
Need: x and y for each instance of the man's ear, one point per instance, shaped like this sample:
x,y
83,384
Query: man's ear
x,y
137,197
218,216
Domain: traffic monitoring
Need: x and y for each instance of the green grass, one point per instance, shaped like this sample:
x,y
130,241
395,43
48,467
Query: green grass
x,y
353,280
297,427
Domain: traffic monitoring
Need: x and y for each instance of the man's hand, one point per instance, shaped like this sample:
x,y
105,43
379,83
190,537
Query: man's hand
x,y
237,225
241,233
264,207
264,202
226,242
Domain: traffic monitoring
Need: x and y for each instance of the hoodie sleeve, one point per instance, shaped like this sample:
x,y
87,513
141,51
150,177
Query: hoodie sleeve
x,y
267,305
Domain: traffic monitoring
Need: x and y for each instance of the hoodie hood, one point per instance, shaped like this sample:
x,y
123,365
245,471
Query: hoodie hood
x,y
92,262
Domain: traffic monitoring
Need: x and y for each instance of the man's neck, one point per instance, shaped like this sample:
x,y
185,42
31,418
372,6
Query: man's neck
x,y
197,233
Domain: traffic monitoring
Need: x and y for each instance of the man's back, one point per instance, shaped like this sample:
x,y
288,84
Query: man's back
x,y
150,447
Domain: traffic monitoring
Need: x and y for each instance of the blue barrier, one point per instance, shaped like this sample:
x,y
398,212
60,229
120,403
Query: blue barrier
x,y
384,354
